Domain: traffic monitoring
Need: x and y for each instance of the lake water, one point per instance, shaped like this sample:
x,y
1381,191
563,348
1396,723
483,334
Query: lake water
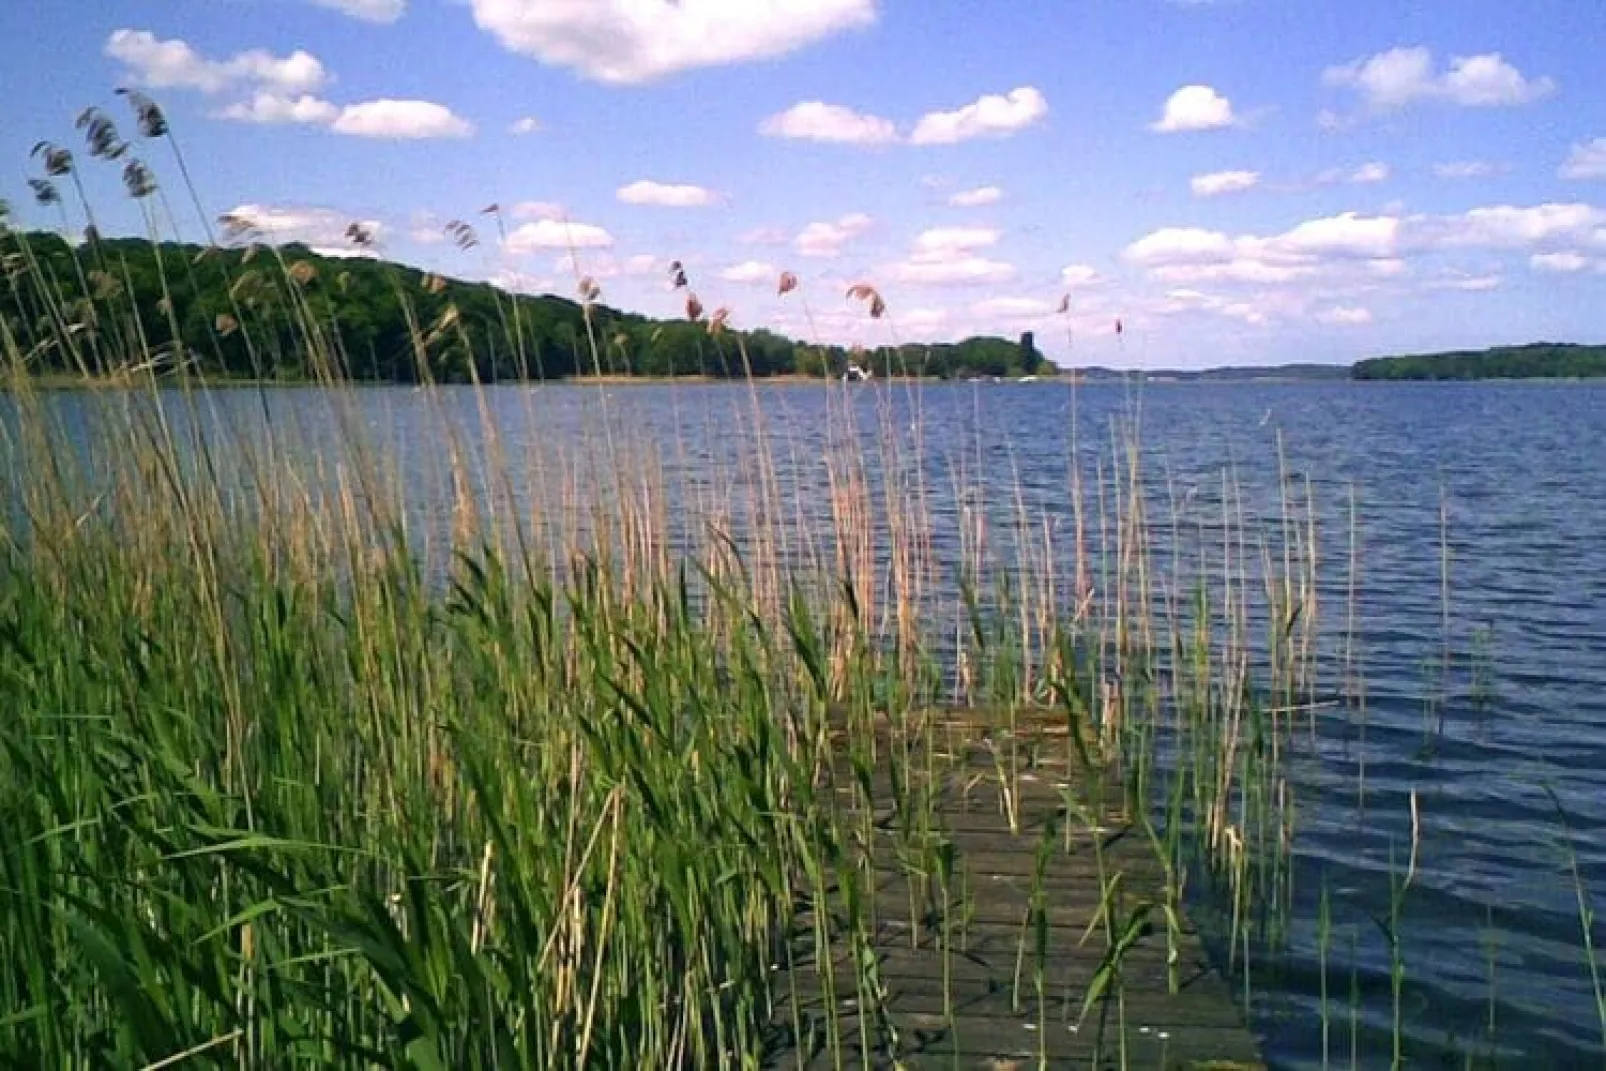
x,y
1512,476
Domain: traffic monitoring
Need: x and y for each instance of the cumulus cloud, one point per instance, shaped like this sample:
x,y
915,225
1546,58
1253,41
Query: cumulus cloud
x,y
1587,160
763,236
814,120
556,234
629,41
993,115
1180,245
1194,255
1012,308
523,125
1194,107
1216,183
826,239
321,228
647,192
1464,169
518,282
401,119
1472,284
943,240
1403,76
1351,248
982,195
1559,262
951,269
367,10
265,107
951,255
536,210
1184,300
277,89
1075,275
1372,172
750,271
1345,316
174,64
1513,227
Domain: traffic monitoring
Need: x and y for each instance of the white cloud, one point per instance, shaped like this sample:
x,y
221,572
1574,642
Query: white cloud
x,y
951,269
750,271
1191,255
411,119
634,41
1183,300
536,210
1180,245
1012,308
373,119
647,192
1246,269
1375,171
1473,284
925,320
1345,235
553,234
1403,76
993,115
1559,262
982,195
1372,172
1075,275
317,227
518,282
827,239
174,64
1512,227
527,124
1194,108
368,10
1464,169
641,264
949,255
763,236
939,241
1216,183
1587,160
343,252
814,120
1345,316
265,107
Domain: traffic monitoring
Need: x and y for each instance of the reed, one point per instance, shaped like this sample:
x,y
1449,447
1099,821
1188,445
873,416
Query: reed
x,y
357,753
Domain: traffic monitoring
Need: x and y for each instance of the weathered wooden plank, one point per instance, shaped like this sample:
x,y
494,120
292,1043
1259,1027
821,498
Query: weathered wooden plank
x,y
981,1007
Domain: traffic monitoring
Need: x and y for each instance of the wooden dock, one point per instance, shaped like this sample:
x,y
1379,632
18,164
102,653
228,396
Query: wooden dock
x,y
1026,936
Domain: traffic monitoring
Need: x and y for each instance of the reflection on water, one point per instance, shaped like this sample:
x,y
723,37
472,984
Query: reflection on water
x,y
1476,711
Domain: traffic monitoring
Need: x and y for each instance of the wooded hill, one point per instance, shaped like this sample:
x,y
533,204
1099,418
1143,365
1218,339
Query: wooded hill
x,y
1538,360
288,313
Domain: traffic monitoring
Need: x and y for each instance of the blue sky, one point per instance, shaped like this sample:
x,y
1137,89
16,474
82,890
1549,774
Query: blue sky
x,y
1249,181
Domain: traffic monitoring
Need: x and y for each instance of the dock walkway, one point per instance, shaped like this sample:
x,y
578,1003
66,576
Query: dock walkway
x,y
1025,936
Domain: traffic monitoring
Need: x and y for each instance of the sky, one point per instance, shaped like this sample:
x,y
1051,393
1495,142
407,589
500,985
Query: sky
x,y
1237,181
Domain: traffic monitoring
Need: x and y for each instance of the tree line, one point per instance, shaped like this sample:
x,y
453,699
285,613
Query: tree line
x,y
1539,360
258,311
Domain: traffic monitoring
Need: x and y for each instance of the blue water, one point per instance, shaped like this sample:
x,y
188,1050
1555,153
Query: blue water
x,y
1512,477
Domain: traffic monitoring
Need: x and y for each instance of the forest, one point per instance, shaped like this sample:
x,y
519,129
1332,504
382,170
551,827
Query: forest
x,y
263,312
1538,360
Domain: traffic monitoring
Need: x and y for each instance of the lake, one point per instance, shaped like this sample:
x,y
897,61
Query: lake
x,y
1479,514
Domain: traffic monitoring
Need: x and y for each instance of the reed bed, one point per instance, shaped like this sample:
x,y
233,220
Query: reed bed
x,y
544,771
